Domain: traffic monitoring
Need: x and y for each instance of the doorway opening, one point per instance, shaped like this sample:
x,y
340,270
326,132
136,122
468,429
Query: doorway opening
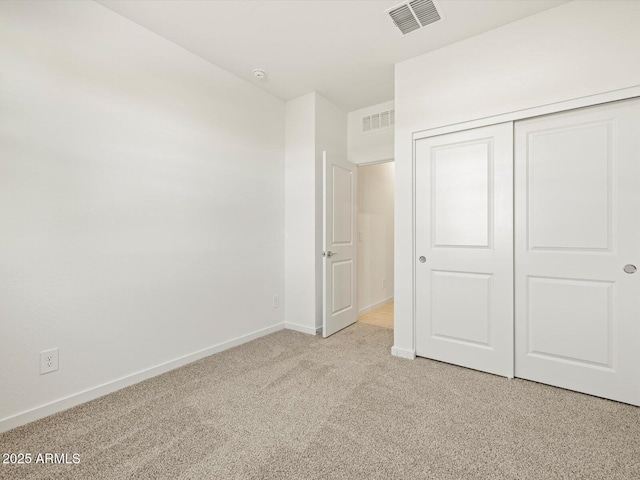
x,y
376,243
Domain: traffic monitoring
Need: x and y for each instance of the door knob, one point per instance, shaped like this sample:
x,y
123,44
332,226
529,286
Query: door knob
x,y
422,259
329,253
629,268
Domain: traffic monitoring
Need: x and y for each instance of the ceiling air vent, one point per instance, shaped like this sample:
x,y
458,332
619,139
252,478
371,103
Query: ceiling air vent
x,y
413,15
378,121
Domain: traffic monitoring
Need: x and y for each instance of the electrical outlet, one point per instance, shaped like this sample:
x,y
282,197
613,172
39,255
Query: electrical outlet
x,y
48,361
276,301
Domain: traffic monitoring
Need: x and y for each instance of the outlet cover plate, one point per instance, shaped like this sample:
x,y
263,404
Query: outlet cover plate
x,y
48,361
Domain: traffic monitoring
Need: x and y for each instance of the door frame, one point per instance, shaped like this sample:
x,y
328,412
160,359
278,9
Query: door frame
x,y
357,211
562,106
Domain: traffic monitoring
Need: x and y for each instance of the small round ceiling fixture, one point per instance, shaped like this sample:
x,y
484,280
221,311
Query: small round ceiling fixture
x,y
259,73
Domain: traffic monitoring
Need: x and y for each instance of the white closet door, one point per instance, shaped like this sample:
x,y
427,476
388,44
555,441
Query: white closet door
x,y
464,248
577,182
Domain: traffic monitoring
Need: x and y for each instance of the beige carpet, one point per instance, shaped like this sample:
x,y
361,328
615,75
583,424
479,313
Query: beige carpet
x,y
295,406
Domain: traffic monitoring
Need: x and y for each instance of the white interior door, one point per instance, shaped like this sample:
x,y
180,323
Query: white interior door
x,y
577,227
339,246
464,248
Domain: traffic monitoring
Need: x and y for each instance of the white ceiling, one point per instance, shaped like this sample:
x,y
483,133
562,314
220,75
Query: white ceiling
x,y
343,49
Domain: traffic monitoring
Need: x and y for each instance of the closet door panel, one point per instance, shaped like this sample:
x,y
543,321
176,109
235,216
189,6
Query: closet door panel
x,y
464,248
577,210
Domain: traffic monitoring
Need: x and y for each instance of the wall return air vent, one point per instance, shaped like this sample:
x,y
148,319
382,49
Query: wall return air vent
x,y
378,121
410,16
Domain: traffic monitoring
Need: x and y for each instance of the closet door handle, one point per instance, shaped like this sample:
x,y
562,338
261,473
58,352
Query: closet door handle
x,y
629,268
422,259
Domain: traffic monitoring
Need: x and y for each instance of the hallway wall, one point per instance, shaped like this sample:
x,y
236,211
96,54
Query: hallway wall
x,y
375,235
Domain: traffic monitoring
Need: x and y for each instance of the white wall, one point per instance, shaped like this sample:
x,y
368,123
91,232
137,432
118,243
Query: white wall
x,y
141,204
375,235
372,146
300,208
314,125
574,50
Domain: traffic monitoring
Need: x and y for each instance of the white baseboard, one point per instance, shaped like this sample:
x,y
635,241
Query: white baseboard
x,y
302,328
403,353
375,305
92,393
